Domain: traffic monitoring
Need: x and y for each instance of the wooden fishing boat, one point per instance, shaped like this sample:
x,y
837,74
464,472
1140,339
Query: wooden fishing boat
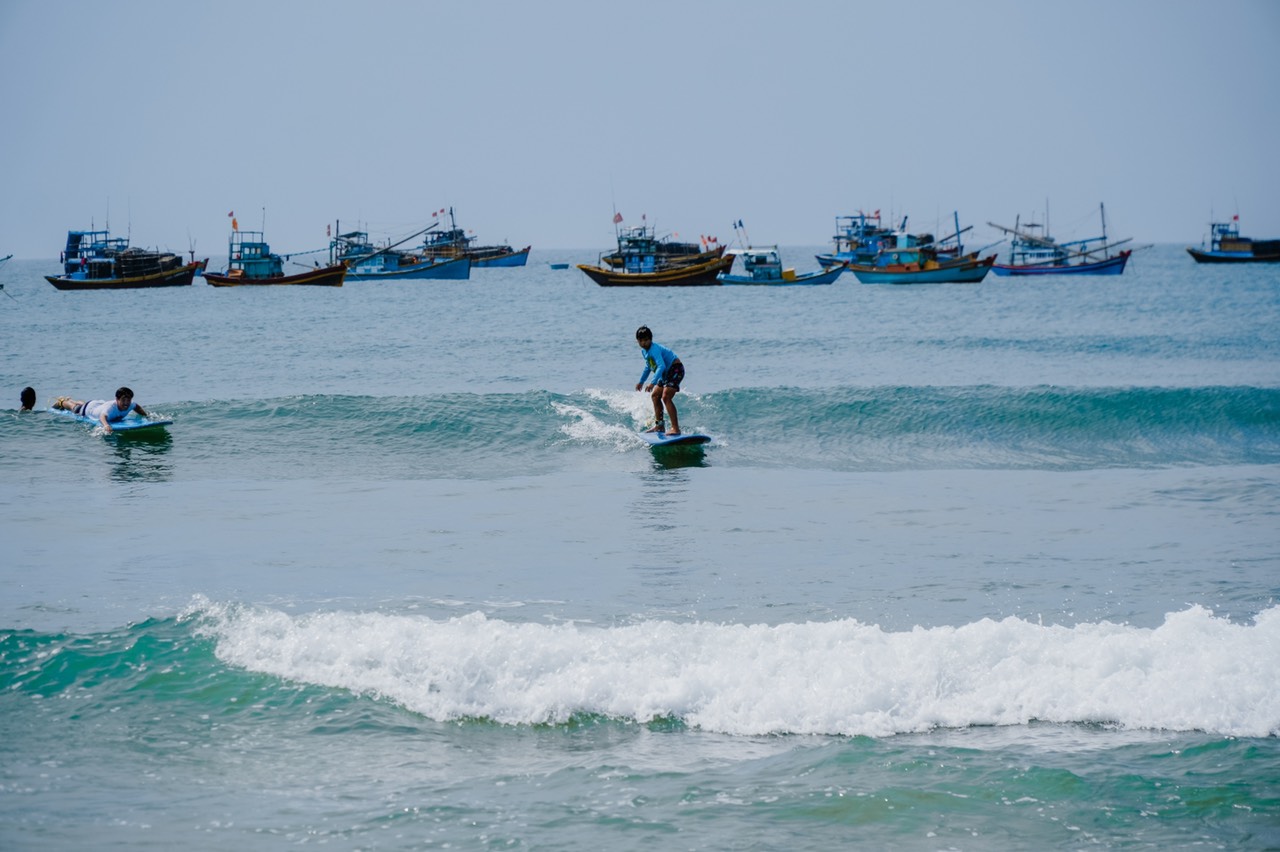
x,y
252,263
367,262
922,265
1034,252
650,274
454,242
1227,246
764,266
94,260
640,261
642,240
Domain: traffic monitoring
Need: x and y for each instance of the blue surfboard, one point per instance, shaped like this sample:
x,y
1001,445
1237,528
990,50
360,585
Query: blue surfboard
x,y
132,423
661,439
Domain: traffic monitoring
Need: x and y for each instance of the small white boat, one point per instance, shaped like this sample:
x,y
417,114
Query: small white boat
x,y
764,266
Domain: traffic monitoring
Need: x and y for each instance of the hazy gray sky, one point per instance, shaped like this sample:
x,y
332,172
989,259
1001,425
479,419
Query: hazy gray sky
x,y
533,119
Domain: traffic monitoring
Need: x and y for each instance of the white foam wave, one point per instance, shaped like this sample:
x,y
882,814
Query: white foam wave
x,y
1194,672
588,428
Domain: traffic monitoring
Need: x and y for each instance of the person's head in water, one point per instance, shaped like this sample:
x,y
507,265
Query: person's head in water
x,y
28,398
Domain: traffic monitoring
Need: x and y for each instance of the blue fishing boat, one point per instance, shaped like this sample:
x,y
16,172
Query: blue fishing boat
x,y
251,262
764,266
454,242
858,239
1227,246
1034,252
94,260
367,262
922,265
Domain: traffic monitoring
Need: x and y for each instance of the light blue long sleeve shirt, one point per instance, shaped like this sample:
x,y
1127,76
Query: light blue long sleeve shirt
x,y
657,360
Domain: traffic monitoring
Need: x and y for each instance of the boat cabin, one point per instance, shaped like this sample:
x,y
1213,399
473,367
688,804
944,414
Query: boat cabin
x,y
908,259
251,257
92,254
763,264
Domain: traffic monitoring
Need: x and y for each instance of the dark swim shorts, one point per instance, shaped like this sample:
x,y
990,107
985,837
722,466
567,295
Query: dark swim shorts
x,y
674,376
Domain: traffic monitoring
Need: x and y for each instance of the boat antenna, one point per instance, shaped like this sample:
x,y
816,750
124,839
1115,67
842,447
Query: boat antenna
x,y
264,219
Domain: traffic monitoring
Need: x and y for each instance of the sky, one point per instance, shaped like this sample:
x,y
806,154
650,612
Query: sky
x,y
536,121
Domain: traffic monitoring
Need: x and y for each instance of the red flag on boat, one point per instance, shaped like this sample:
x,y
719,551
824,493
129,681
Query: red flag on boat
x,y
235,226
617,217
1235,218
231,214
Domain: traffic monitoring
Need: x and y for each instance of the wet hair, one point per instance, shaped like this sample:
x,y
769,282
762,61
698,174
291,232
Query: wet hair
x,y
123,391
28,397
643,333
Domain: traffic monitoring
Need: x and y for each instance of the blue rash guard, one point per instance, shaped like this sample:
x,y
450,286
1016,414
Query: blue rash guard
x,y
657,359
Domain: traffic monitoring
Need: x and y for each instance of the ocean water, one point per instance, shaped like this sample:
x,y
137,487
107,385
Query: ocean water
x,y
964,567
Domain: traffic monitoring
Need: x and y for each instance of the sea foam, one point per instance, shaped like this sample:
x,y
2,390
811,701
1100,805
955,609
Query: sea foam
x,y
1196,671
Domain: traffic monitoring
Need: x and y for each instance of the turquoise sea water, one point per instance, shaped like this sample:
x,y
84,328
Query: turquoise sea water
x,y
965,566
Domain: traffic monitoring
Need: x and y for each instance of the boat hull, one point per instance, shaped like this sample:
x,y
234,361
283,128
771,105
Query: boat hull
x,y
454,269
827,276
180,277
697,275
514,258
328,276
955,272
1202,256
1110,266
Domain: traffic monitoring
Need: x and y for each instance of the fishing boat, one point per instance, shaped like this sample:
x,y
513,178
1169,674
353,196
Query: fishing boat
x,y
367,262
1227,246
764,266
643,240
94,260
858,239
640,261
922,265
252,263
454,242
906,258
1034,252
648,274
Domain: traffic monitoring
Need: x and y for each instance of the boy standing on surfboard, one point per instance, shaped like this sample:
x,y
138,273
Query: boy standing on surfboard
x,y
668,373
